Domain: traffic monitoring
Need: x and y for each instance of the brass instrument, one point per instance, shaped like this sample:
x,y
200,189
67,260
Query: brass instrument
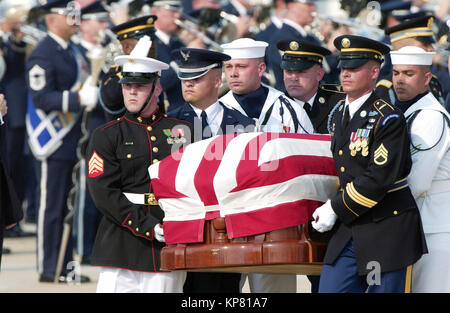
x,y
195,30
32,34
113,49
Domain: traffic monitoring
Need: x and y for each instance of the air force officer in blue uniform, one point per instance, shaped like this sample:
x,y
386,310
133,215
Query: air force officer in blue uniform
x,y
200,72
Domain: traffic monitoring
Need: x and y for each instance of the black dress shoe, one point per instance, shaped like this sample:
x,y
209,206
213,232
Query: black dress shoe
x,y
64,278
6,251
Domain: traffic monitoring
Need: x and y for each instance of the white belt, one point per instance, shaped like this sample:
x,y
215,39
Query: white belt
x,y
141,198
437,186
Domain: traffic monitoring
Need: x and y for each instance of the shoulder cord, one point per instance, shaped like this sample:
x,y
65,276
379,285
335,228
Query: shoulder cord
x,y
291,110
411,120
330,115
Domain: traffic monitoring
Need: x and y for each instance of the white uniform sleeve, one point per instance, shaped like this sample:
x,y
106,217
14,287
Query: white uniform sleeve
x,y
426,131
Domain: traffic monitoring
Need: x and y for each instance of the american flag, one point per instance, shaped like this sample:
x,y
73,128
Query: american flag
x,y
258,182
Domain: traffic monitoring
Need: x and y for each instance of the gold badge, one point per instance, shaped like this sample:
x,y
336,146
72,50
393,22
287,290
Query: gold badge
x,y
380,156
430,23
345,42
322,100
130,60
293,45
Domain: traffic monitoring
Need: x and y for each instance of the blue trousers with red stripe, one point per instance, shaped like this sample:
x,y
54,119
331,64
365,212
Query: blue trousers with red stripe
x,y
342,276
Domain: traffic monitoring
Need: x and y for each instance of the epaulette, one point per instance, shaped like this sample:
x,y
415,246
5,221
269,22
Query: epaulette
x,y
332,87
383,107
384,82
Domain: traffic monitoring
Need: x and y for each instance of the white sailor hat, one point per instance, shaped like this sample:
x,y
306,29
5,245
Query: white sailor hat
x,y
245,48
412,55
137,68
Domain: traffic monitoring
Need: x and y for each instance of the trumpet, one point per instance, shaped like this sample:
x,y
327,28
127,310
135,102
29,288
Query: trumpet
x,y
192,28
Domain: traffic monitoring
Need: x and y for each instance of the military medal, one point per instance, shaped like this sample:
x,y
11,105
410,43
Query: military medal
x,y
175,135
359,141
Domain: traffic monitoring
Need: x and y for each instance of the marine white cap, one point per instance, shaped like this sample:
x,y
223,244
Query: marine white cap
x,y
138,62
411,55
245,48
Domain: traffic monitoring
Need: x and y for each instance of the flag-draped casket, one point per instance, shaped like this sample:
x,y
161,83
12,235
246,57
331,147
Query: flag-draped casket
x,y
257,182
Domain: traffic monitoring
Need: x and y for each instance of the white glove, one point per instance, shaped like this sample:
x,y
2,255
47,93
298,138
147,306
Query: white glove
x,y
88,94
324,217
159,233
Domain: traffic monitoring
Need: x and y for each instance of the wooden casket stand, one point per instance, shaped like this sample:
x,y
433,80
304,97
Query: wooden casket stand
x,y
286,251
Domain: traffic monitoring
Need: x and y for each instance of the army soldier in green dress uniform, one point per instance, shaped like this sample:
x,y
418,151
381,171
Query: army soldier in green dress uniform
x,y
302,72
379,231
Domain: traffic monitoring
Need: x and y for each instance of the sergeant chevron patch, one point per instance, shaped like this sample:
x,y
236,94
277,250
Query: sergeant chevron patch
x,y
96,165
380,156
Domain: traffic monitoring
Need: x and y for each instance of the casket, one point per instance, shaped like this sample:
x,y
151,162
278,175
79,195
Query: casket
x,y
243,203
283,251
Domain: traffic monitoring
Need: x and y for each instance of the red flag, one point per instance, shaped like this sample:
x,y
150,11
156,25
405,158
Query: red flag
x,y
258,182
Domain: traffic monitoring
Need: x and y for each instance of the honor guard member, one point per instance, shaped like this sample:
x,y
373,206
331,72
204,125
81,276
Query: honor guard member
x,y
413,32
166,40
56,100
200,72
274,113
429,180
130,235
94,19
302,72
270,107
378,224
128,34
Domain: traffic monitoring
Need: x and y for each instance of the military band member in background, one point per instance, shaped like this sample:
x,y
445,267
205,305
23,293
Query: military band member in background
x,y
414,32
299,13
130,236
57,97
379,229
200,72
128,34
94,20
303,72
270,107
166,39
429,180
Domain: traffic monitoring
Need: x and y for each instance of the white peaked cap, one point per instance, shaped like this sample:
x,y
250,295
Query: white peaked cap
x,y
138,62
411,55
245,48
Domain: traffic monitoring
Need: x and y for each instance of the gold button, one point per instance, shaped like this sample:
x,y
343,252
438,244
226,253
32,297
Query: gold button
x,y
137,228
118,118
395,212
139,119
340,152
155,149
155,161
130,222
342,169
149,128
128,156
153,117
147,234
153,138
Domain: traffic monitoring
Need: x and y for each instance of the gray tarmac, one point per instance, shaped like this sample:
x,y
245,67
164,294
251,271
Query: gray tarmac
x,y
19,271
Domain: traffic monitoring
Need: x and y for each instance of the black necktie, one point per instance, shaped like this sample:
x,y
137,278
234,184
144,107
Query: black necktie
x,y
206,130
307,107
346,117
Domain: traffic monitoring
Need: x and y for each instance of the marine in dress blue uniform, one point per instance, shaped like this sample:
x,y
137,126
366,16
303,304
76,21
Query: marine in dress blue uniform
x,y
120,153
194,64
54,75
379,230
